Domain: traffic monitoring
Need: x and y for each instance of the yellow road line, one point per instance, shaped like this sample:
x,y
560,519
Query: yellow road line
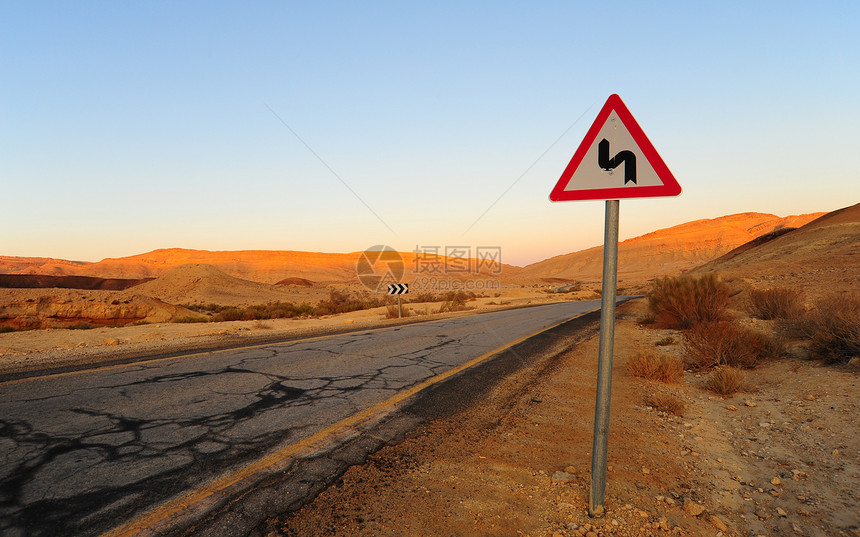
x,y
173,507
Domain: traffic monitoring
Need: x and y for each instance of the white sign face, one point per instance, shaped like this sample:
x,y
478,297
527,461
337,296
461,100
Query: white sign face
x,y
615,160
589,175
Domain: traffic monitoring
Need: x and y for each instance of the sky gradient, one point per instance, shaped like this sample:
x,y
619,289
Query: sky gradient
x,y
126,127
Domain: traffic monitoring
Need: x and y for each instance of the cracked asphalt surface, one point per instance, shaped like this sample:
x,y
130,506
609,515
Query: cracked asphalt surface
x,y
84,453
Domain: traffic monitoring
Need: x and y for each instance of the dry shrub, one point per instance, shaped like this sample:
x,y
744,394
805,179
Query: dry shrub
x,y
833,326
648,319
774,345
666,402
778,303
662,342
724,343
685,301
456,301
272,310
190,319
655,366
725,380
391,312
344,302
424,296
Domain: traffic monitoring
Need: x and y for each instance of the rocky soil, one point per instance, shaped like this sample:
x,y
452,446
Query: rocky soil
x,y
780,458
24,309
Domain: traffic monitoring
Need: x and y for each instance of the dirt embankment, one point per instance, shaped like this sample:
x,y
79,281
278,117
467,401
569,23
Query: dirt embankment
x,y
780,458
820,258
44,281
23,309
62,301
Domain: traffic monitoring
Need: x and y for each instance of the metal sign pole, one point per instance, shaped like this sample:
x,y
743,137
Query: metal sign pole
x,y
599,450
399,311
589,176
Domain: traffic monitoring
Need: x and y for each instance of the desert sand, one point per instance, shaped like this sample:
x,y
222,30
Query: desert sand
x,y
245,278
780,457
34,350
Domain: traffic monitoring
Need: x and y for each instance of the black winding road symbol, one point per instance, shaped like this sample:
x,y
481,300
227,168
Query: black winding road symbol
x,y
626,157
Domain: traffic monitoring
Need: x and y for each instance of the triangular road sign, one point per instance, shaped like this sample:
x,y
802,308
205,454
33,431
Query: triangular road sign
x,y
614,161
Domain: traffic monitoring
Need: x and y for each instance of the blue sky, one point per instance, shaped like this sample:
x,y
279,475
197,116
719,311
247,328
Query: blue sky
x,y
126,127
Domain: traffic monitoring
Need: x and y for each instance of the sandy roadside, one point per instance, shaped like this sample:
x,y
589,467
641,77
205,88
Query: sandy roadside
x,y
781,458
36,350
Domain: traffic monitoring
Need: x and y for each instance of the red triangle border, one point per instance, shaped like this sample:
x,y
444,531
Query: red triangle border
x,y
670,186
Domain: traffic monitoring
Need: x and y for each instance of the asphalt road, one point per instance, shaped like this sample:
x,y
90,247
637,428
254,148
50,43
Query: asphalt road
x,y
85,452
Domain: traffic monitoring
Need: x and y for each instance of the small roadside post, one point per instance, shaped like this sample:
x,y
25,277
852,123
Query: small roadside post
x,y
398,289
614,141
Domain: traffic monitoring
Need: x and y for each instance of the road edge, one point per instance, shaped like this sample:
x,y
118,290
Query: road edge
x,y
195,512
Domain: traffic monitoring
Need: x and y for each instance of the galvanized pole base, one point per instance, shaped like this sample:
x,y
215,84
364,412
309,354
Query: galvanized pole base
x,y
599,450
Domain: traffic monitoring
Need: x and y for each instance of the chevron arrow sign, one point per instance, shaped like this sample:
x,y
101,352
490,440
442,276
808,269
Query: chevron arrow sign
x,y
398,288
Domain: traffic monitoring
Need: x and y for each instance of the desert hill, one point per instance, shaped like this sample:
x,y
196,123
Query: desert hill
x,y
268,266
153,301
256,265
46,265
667,251
205,284
821,256
664,252
759,249
42,308
42,281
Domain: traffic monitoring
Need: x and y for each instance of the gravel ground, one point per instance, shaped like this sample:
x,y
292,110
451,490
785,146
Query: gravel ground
x,y
780,458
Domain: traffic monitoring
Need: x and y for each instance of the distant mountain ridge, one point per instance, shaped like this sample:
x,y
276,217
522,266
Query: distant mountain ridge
x,y
821,256
666,251
266,266
259,265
